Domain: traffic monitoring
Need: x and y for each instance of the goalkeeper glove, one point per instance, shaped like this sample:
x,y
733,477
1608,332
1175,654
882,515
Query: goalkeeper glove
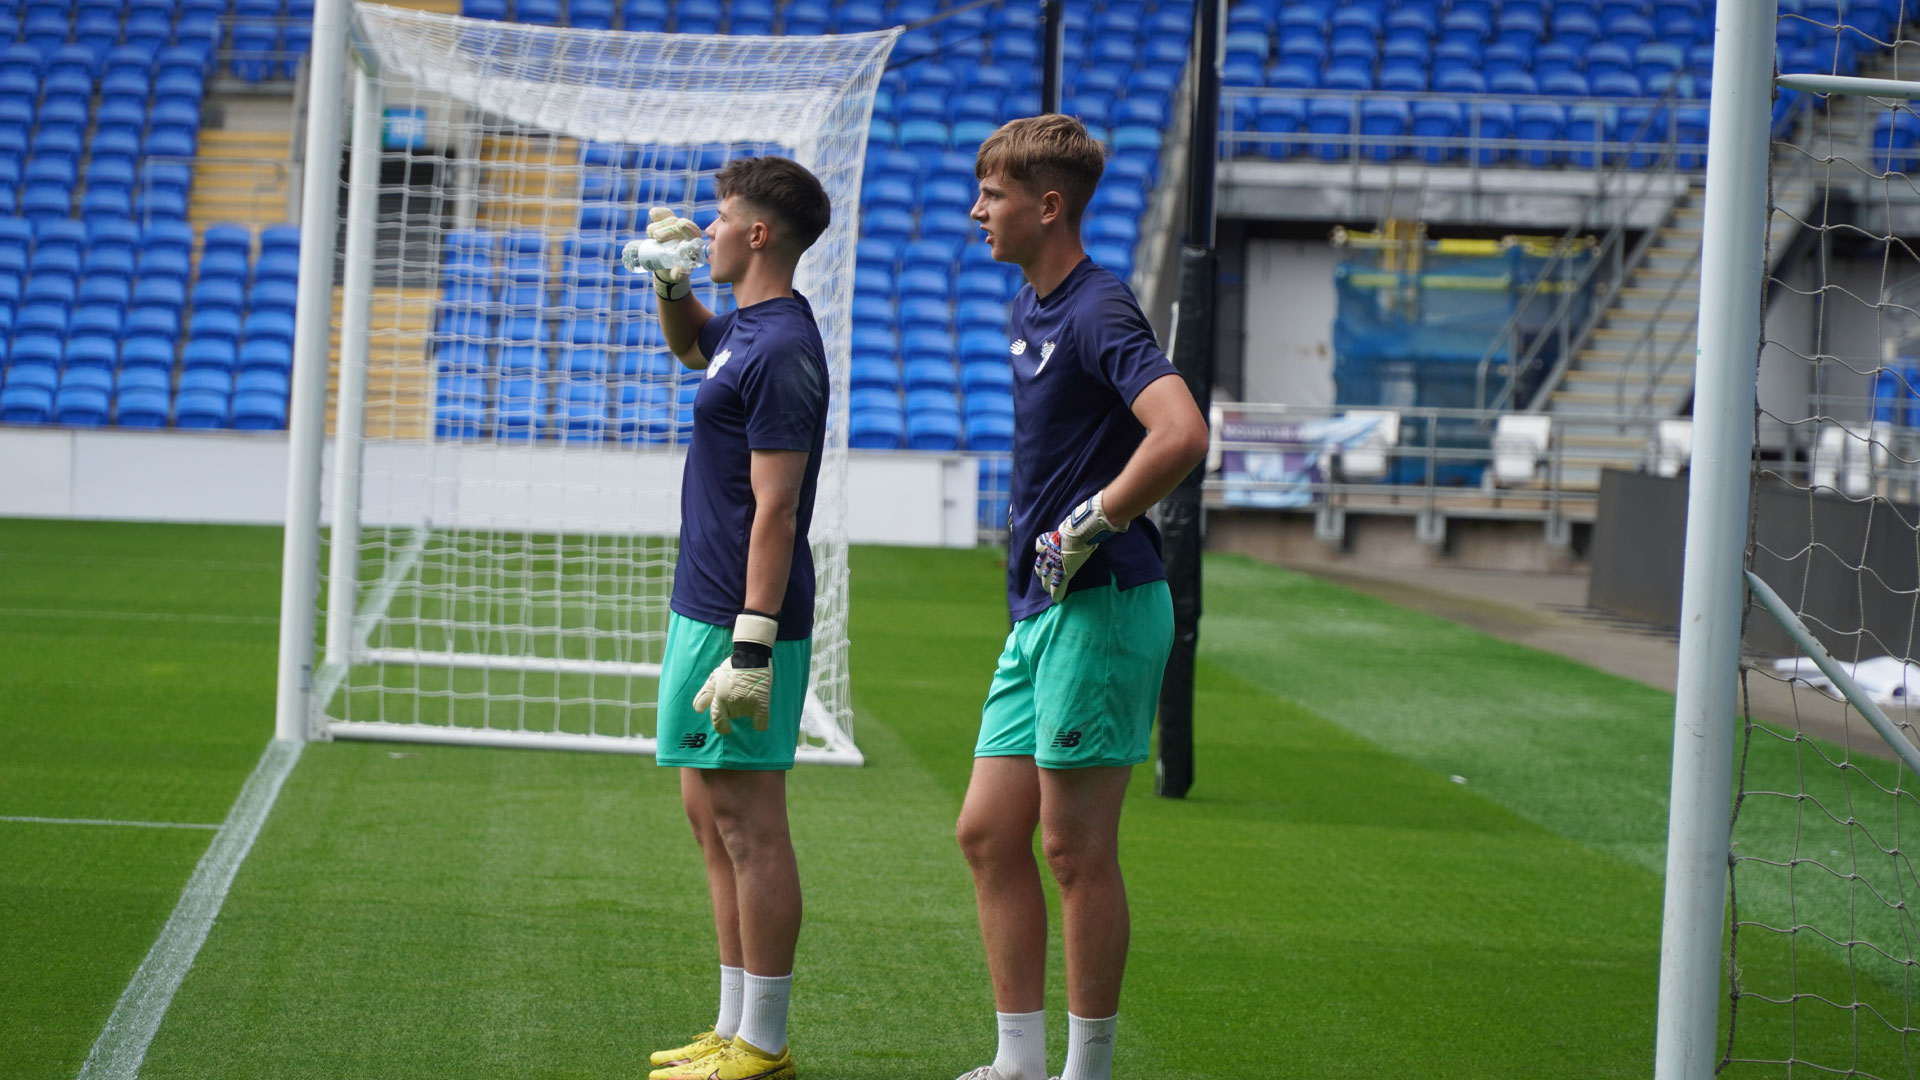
x,y
663,227
1062,551
742,686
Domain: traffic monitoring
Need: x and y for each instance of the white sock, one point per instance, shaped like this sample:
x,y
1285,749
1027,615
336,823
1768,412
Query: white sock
x,y
1089,1048
1023,1046
733,983
763,1016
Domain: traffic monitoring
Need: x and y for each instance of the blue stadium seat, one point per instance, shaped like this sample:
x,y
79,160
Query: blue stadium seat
x,y
215,323
156,321
933,430
1539,123
83,406
582,410
521,407
1555,57
141,407
933,373
206,353
989,433
101,320
25,404
1575,28
257,410
147,352
987,376
460,405
867,429
201,409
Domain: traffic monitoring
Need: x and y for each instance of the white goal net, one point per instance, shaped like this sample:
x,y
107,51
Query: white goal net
x,y
503,498
1825,948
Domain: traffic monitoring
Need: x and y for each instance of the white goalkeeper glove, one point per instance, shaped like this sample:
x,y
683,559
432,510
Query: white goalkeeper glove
x,y
742,686
673,247
1061,552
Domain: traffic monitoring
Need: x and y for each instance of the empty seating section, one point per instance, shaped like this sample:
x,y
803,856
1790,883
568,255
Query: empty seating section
x,y
100,105
929,365
1527,82
116,314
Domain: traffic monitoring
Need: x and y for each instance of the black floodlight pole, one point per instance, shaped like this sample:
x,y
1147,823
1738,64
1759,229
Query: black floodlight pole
x,y
1053,51
1180,512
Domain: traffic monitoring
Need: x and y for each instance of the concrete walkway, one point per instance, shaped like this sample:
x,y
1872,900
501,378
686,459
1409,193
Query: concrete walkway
x,y
1550,612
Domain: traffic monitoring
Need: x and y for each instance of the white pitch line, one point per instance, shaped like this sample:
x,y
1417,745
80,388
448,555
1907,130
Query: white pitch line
x,y
105,821
122,1045
142,616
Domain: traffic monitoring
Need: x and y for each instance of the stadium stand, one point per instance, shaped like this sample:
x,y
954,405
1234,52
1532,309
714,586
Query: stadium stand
x,y
929,319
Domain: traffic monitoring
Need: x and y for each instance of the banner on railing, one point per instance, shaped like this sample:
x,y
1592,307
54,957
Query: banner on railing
x,y
1301,455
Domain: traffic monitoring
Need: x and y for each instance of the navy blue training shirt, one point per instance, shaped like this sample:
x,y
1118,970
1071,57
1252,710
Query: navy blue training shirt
x,y
765,389
1081,354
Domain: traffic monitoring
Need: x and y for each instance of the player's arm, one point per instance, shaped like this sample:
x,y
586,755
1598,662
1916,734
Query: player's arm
x,y
1175,442
682,315
777,476
680,323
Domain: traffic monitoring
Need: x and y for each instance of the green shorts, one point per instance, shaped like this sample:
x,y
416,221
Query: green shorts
x,y
1078,683
686,738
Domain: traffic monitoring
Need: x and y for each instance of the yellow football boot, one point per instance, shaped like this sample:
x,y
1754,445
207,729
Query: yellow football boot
x,y
740,1060
670,1064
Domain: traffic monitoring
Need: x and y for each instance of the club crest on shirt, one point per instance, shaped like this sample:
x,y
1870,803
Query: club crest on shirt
x,y
1046,354
719,361
1018,347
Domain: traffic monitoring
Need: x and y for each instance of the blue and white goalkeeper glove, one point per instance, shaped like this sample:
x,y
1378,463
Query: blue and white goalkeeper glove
x,y
673,247
741,688
1062,551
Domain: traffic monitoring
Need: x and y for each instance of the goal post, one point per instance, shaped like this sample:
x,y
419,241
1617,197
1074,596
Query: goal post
x,y
1732,278
502,494
1791,815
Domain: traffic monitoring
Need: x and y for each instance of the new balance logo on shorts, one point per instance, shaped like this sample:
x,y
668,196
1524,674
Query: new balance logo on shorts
x,y
693,740
1066,740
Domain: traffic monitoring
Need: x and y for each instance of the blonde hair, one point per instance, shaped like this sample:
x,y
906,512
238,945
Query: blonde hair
x,y
1046,153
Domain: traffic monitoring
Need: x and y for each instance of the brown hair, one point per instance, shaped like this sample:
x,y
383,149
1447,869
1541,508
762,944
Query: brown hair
x,y
1046,153
781,187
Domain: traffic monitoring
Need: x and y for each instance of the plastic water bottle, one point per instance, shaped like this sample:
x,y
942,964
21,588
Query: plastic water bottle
x,y
649,255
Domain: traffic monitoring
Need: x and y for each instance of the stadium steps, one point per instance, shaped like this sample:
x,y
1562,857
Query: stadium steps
x,y
399,382
530,183
239,177
442,7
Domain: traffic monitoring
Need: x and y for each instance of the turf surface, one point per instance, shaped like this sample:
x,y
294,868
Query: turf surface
x,y
434,911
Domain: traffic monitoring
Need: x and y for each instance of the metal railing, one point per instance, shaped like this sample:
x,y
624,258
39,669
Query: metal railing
x,y
1644,366
1474,151
1440,463
1657,135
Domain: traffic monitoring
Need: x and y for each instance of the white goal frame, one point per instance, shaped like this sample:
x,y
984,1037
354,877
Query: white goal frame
x,y
1715,583
352,610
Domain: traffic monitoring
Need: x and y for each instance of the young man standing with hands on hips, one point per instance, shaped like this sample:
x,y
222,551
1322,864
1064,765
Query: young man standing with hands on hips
x,y
739,639
1103,428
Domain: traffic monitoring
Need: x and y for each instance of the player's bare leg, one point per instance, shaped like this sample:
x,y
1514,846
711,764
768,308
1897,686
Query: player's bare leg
x,y
726,930
750,813
997,820
1080,835
720,885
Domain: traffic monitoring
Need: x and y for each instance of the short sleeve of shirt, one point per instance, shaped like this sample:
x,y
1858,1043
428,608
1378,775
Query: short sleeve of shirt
x,y
1124,352
715,329
786,400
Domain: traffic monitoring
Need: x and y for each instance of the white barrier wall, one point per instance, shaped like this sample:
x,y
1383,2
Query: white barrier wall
x,y
227,477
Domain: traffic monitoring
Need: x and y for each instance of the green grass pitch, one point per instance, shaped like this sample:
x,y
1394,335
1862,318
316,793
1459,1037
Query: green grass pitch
x,y
1328,903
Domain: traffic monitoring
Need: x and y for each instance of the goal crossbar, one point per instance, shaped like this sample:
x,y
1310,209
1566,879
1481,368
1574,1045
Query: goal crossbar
x,y
1851,86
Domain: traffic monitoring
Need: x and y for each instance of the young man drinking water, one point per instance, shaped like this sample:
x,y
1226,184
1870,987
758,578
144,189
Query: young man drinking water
x,y
739,642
